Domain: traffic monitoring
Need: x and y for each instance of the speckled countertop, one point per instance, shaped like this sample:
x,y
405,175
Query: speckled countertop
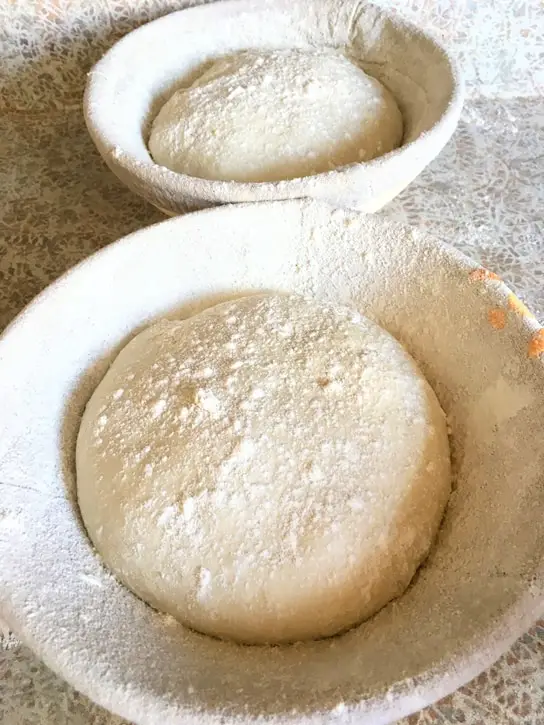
x,y
59,203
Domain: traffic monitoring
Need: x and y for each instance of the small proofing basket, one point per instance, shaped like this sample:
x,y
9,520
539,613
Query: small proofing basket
x,y
129,85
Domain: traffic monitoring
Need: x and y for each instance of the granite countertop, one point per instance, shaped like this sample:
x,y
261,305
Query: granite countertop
x,y
484,194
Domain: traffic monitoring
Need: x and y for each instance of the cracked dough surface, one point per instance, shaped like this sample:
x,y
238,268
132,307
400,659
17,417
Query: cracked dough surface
x,y
278,115
269,470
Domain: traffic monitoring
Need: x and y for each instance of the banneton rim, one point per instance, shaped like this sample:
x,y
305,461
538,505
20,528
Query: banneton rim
x,y
126,89
483,584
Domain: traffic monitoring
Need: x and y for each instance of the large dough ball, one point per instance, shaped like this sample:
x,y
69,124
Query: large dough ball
x,y
278,115
269,470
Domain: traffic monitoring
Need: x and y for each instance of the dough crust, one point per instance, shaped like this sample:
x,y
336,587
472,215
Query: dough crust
x,y
278,115
269,470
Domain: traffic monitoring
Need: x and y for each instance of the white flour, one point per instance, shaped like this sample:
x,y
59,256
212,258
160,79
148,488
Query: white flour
x,y
274,471
278,115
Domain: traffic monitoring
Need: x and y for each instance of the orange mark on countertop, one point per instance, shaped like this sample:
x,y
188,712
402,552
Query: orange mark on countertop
x,y
536,346
497,318
480,274
514,303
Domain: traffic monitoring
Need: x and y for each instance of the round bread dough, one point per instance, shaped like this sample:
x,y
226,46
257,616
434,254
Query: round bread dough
x,y
277,115
270,470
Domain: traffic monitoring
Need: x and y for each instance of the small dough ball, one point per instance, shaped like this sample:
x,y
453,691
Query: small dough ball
x,y
270,470
277,115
